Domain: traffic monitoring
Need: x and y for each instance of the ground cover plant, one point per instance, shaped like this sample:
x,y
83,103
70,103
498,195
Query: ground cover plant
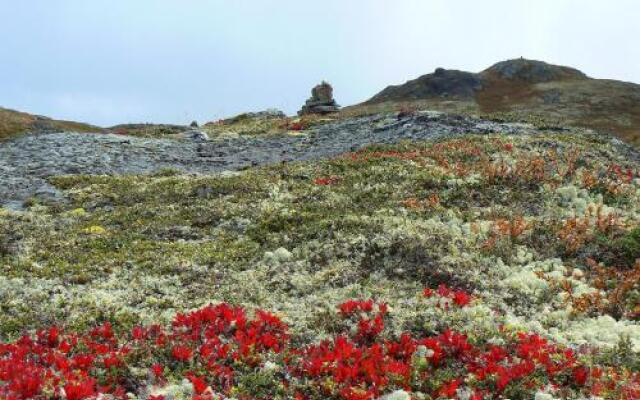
x,y
221,347
534,240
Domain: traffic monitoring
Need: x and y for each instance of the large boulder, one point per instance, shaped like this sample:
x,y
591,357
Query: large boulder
x,y
321,101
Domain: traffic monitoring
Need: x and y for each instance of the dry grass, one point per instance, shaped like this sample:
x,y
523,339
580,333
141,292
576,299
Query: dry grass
x,y
608,106
246,125
14,123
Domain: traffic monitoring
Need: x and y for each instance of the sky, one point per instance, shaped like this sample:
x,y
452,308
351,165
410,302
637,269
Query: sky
x,y
174,61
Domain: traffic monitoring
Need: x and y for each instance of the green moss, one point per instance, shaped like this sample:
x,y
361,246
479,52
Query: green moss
x,y
623,251
260,384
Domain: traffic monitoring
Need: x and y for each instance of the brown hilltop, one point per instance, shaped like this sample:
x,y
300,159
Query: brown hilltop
x,y
15,122
522,89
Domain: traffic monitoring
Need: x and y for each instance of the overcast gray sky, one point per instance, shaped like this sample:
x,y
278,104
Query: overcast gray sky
x,y
113,61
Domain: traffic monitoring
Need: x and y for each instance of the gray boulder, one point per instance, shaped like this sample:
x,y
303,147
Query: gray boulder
x,y
196,136
321,101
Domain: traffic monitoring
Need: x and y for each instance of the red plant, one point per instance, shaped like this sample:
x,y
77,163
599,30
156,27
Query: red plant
x,y
326,181
221,343
459,297
181,353
368,324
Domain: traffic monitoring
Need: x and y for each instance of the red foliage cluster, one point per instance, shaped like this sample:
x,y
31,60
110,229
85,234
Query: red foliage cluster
x,y
326,181
57,363
211,339
369,325
460,297
212,348
624,175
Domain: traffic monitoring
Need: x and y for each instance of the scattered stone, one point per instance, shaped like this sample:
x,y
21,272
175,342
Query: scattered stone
x,y
196,136
47,195
321,101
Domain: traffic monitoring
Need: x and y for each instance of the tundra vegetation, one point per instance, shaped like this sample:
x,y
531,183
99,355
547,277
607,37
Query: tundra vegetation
x,y
474,267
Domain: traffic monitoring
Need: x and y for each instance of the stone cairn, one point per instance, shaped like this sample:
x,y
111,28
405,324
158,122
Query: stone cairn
x,y
321,101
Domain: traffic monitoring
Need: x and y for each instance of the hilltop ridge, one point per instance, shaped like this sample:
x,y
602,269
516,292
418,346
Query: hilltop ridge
x,y
522,89
14,122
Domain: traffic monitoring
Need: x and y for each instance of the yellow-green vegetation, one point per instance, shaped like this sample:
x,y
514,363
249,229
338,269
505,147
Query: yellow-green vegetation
x,y
14,123
531,224
465,107
148,130
609,119
248,124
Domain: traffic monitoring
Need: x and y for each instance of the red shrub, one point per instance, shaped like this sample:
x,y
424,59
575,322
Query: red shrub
x,y
220,343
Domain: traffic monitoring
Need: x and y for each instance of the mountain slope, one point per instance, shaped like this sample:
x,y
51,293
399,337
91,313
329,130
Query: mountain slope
x,y
15,122
523,90
516,224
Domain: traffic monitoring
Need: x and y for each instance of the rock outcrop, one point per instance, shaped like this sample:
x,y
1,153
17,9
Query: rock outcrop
x,y
525,90
321,101
196,135
532,71
443,83
461,85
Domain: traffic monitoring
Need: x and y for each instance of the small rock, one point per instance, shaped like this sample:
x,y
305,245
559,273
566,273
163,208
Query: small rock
x,y
197,136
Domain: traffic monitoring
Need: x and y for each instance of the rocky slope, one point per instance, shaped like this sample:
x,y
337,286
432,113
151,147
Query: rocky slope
x,y
27,161
523,89
413,255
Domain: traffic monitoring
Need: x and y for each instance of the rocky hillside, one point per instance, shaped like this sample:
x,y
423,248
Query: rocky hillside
x,y
523,90
27,162
15,122
413,255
